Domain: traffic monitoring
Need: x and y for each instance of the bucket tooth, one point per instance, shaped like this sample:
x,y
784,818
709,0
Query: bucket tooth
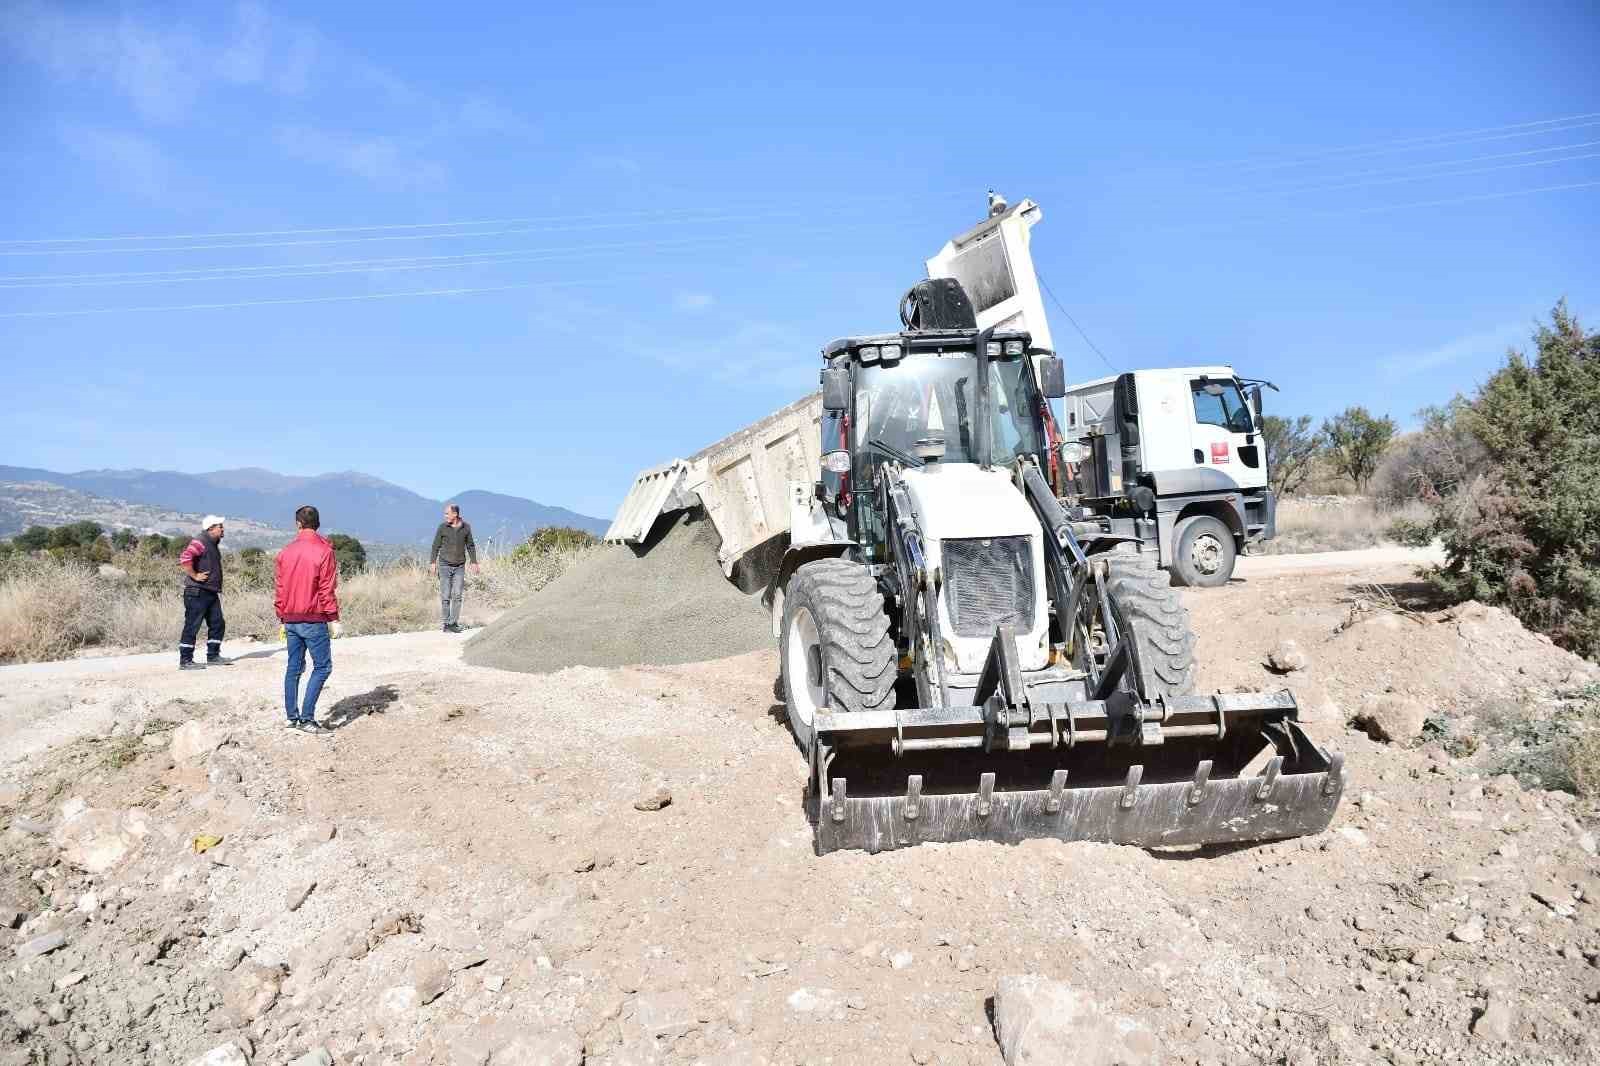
x,y
1130,787
1197,790
837,803
1335,777
913,794
985,795
1058,784
1269,777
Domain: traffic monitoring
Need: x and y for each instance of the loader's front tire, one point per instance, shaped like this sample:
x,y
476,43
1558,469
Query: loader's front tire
x,y
1146,605
835,650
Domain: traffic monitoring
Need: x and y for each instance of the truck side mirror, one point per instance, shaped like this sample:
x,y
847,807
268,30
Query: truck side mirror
x,y
836,391
1255,401
1052,378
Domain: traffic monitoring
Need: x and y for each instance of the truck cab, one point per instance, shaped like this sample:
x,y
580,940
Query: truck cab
x,y
1175,457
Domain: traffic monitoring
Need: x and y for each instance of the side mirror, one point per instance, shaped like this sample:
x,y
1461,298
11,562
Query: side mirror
x,y
1255,402
1052,378
836,391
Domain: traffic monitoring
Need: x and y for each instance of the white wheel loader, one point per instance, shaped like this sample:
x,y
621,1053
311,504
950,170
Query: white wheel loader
x,y
960,660
967,649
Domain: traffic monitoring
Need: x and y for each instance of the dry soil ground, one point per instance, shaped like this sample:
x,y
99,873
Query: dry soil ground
x,y
462,873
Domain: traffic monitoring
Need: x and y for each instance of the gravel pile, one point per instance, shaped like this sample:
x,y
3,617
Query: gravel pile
x,y
619,607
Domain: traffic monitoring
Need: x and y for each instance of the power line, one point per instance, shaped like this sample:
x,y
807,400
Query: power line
x,y
307,299
1408,167
1081,333
1382,208
1415,144
567,217
352,229
1446,174
355,266
402,237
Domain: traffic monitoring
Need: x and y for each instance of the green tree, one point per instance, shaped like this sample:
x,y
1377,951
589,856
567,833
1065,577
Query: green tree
x,y
124,540
33,539
1526,533
350,553
1355,441
76,535
1292,448
157,544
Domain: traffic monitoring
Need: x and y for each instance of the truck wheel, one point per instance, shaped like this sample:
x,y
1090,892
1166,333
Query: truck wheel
x,y
835,650
1145,604
1204,554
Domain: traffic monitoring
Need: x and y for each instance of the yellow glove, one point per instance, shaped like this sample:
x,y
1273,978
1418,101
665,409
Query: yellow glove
x,y
283,634
335,630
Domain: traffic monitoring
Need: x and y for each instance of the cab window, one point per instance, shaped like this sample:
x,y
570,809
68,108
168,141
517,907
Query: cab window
x,y
1220,403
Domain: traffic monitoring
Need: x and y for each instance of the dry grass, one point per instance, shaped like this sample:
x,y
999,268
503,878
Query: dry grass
x,y
1336,523
51,609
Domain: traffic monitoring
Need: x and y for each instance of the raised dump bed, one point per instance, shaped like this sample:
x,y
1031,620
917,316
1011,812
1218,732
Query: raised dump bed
x,y
742,481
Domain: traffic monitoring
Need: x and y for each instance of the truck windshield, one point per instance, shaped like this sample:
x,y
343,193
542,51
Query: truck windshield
x,y
927,398
1220,403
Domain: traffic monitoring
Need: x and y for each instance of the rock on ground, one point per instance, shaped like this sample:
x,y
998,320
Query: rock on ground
x,y
1287,657
1039,1021
223,1055
1392,720
96,839
194,740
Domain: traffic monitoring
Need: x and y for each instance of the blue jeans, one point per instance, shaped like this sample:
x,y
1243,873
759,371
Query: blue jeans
x,y
303,637
451,576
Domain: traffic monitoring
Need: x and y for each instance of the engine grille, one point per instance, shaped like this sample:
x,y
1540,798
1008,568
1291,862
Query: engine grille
x,y
988,582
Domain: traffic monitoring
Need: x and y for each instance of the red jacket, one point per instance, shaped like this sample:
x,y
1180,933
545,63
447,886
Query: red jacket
x,y
308,580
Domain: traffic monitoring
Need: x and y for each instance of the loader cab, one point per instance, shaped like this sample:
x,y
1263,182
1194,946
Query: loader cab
x,y
916,398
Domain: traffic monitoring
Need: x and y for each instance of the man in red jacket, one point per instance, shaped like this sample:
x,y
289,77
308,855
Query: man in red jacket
x,y
307,600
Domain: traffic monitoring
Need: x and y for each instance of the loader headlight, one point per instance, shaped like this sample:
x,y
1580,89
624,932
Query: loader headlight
x,y
993,349
890,352
1013,347
836,462
868,354
1074,453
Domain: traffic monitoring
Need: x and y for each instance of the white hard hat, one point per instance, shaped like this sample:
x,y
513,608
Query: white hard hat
x,y
211,520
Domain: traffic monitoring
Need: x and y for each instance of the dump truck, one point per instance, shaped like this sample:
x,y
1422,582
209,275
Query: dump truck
x,y
967,650
1174,456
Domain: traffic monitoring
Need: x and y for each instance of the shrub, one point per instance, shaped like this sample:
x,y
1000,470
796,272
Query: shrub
x,y
157,544
1435,462
1525,533
350,553
1355,441
554,539
1410,532
1292,445
33,539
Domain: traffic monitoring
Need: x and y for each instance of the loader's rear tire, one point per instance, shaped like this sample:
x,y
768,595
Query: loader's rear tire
x,y
835,650
1205,553
1146,605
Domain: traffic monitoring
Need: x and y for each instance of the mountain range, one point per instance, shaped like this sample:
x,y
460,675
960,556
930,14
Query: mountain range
x,y
361,505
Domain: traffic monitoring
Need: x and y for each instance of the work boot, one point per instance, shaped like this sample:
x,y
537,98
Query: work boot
x,y
218,661
190,664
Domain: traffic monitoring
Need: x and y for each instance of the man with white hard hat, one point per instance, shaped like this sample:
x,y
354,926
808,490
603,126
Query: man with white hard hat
x,y
201,563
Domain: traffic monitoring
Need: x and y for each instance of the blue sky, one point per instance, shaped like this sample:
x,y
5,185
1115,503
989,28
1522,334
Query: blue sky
x,y
672,209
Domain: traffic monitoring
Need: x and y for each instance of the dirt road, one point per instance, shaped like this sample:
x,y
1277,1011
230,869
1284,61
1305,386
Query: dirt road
x,y
484,884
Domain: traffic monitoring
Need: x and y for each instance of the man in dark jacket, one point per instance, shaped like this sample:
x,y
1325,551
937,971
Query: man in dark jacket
x,y
452,550
306,598
201,563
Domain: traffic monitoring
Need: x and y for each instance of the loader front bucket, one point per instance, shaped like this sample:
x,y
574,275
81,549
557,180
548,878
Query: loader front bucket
x,y
1230,767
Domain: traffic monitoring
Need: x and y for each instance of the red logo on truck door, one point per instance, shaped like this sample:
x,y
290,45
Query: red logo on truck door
x,y
1219,451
